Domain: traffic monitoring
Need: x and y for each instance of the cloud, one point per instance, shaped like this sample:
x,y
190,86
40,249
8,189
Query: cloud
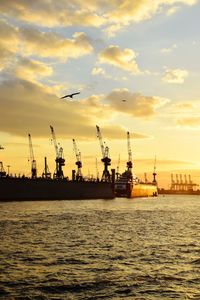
x,y
184,106
123,59
98,71
117,132
31,107
136,104
8,44
52,13
175,76
169,50
190,122
172,10
32,69
113,14
50,44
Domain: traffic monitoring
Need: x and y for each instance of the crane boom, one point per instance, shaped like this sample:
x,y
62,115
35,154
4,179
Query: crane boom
x,y
54,140
33,161
100,141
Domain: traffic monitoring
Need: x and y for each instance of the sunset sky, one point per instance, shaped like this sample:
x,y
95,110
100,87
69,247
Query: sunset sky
x,y
143,51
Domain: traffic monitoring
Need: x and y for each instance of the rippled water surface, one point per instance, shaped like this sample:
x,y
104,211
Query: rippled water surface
x,y
101,249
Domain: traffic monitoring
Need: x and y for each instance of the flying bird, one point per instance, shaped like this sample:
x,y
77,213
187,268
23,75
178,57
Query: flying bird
x,y
70,95
123,100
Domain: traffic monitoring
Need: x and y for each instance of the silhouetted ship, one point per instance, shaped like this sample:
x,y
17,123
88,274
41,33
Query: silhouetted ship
x,y
181,185
53,189
128,185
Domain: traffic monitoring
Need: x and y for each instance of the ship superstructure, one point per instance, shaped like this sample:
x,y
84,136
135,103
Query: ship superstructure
x,y
128,185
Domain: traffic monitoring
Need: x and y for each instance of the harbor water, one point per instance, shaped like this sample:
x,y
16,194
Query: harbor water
x,y
142,249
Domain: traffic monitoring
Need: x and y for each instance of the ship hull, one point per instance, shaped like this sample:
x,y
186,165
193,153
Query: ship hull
x,y
130,190
144,190
49,189
178,192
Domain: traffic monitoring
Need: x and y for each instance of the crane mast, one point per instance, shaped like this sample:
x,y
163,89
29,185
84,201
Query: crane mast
x,y
129,162
60,161
79,176
105,156
33,161
118,163
154,172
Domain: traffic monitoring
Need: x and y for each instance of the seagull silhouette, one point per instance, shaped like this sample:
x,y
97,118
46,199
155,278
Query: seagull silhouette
x,y
70,95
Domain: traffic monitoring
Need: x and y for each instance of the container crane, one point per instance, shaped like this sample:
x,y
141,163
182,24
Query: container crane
x,y
79,176
105,157
32,159
60,161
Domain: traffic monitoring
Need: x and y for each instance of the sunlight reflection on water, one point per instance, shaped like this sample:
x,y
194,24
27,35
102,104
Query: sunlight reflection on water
x,y
112,249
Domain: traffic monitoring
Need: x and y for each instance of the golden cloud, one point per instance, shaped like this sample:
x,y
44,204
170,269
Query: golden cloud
x,y
184,105
190,122
8,44
32,107
123,59
134,104
53,13
175,76
98,71
31,69
114,13
50,44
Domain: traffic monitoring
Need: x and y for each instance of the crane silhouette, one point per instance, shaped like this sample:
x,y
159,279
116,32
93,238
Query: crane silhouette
x,y
70,95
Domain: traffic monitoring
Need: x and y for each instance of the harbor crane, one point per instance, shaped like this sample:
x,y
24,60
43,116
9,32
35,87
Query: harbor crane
x,y
154,172
105,156
2,171
46,173
79,176
32,159
129,162
60,161
118,163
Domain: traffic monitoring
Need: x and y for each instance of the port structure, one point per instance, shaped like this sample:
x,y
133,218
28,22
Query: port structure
x,y
129,163
2,171
105,157
117,169
60,161
79,176
32,159
180,184
154,172
46,173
